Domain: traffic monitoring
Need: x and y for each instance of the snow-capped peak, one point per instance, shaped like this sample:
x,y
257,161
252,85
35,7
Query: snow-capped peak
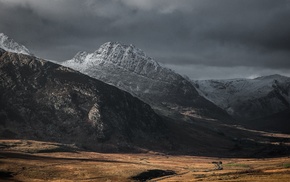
x,y
248,98
127,57
272,77
108,46
10,45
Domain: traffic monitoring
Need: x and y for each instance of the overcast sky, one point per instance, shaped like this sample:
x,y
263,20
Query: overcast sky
x,y
202,39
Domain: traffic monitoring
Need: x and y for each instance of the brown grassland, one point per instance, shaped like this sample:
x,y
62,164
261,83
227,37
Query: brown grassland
x,y
26,160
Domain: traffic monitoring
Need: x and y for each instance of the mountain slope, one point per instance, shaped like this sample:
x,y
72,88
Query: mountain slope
x,y
10,45
45,101
249,99
40,100
130,69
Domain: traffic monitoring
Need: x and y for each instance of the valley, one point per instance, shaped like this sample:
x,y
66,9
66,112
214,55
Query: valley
x,y
27,160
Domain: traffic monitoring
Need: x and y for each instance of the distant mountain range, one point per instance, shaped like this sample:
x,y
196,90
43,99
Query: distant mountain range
x,y
42,100
130,69
248,98
252,101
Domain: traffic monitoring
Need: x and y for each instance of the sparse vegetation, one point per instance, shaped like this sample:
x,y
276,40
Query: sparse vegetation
x,y
286,165
18,165
200,176
237,165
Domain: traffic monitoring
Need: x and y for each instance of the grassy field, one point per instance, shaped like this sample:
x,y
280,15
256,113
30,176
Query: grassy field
x,y
22,160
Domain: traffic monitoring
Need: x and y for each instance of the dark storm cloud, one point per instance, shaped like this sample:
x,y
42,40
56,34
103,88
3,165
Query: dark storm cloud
x,y
56,31
239,33
184,33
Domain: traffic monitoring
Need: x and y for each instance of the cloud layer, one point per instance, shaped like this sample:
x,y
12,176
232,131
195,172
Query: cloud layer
x,y
186,35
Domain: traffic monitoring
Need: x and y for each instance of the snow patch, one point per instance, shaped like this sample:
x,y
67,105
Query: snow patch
x,y
271,91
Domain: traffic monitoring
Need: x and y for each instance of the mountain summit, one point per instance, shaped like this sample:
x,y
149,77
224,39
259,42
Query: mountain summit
x,y
126,57
130,69
10,45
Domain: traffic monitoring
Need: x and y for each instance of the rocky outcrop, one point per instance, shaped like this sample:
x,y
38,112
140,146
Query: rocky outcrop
x,y
45,101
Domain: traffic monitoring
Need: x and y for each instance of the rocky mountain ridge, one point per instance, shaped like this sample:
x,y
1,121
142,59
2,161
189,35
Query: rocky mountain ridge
x,y
130,69
40,100
43,101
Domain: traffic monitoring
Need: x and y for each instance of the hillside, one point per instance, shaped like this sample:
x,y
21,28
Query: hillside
x,y
45,101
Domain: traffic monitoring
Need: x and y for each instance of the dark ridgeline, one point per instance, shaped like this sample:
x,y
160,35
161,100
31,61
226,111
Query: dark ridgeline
x,y
45,101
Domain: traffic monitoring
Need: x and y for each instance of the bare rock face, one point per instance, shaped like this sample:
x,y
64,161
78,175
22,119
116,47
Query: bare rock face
x,y
45,101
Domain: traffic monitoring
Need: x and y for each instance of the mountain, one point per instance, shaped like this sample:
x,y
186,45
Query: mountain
x,y
10,45
44,101
251,100
40,100
130,69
